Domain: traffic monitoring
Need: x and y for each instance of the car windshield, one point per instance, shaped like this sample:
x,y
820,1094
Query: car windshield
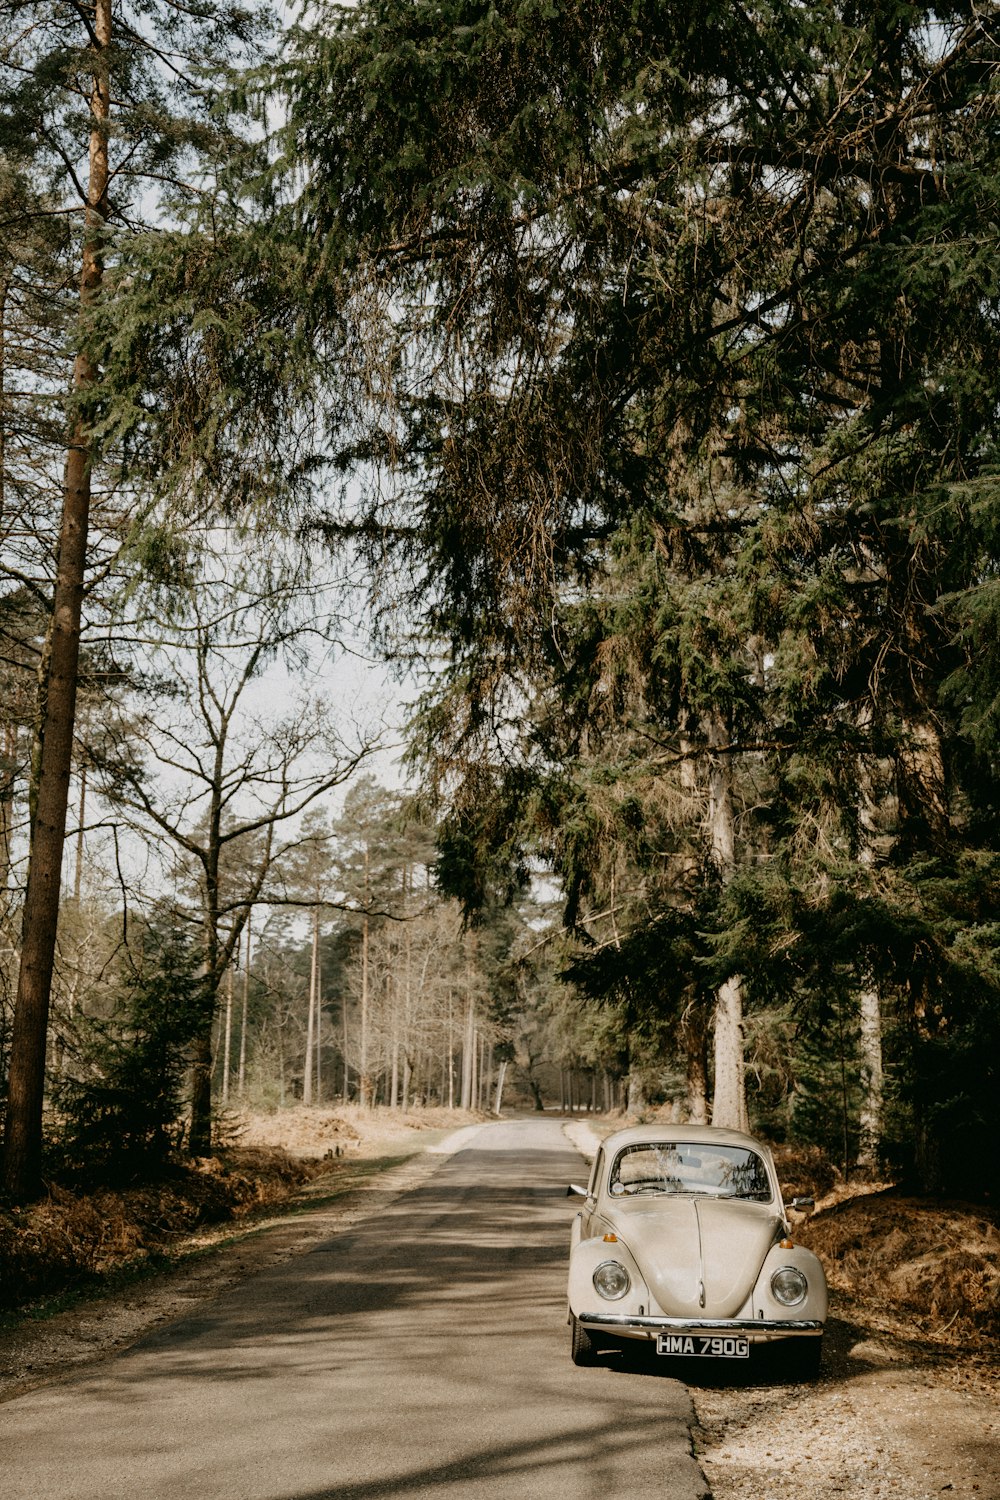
x,y
694,1168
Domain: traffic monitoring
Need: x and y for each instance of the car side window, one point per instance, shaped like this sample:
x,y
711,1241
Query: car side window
x,y
595,1176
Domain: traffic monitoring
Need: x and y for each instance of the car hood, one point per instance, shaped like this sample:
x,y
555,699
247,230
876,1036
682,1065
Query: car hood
x,y
700,1256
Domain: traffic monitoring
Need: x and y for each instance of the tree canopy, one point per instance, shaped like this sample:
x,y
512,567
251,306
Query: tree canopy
x,y
642,365
682,439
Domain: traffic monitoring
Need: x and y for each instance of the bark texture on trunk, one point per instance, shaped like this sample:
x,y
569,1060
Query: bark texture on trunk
x,y
242,1075
729,1104
200,1141
869,1004
227,1037
637,1101
364,1081
52,761
501,1075
468,1048
870,1133
307,1066
696,1066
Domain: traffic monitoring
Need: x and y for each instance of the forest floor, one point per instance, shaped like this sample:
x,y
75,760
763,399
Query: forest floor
x,y
907,1405
893,1414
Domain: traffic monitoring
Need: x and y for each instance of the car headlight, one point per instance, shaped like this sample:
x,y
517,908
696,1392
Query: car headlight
x,y
611,1280
789,1286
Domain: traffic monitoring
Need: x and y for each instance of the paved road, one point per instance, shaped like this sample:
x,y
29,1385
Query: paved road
x,y
421,1354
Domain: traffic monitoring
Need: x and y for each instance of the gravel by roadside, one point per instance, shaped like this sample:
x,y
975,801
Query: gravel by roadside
x,y
883,1422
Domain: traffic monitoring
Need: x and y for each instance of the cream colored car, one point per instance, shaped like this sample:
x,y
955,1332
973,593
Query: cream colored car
x,y
683,1242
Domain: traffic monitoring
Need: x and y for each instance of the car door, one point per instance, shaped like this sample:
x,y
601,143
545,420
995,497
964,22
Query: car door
x,y
590,1202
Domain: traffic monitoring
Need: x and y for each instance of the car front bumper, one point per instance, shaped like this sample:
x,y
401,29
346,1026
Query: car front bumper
x,y
757,1330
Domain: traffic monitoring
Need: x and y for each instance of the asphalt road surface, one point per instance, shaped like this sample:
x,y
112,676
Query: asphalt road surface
x,y
422,1353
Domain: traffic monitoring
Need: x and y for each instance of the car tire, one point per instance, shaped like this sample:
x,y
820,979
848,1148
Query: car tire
x,y
583,1348
804,1357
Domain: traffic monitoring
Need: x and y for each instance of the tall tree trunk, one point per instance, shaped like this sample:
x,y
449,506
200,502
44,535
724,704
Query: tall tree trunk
x,y
870,1005
637,1102
200,1139
501,1075
364,1082
227,1046
242,1075
407,987
474,1081
451,1052
694,1025
53,752
8,752
694,1042
468,1066
394,1048
319,1024
729,1104
347,1040
281,1061
870,1137
307,1067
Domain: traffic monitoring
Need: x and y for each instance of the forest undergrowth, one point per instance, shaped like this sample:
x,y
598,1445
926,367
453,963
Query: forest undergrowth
x,y
930,1264
78,1241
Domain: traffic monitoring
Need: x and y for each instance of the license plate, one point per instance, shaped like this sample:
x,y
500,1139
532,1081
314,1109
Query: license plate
x,y
703,1346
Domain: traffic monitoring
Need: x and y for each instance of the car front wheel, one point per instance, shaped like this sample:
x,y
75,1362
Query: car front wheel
x,y
582,1347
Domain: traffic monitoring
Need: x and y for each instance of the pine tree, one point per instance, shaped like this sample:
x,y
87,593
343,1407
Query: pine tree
x,y
727,283
113,108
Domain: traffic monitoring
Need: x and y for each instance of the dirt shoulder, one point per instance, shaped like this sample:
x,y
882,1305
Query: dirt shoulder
x,y
378,1160
890,1416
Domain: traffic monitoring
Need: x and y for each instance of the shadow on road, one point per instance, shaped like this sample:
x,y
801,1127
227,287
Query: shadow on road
x,y
586,1450
425,1349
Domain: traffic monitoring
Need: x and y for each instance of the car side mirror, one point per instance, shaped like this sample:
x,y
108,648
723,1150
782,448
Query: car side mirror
x,y
804,1205
576,1191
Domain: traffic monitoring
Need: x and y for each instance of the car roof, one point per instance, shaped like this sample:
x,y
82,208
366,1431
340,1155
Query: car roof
x,y
666,1130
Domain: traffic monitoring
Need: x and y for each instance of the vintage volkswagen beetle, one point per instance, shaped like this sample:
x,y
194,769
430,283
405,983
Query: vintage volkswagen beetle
x,y
683,1242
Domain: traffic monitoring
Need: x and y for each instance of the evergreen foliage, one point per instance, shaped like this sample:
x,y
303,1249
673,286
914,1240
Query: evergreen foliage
x,y
122,1107
685,434
657,353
